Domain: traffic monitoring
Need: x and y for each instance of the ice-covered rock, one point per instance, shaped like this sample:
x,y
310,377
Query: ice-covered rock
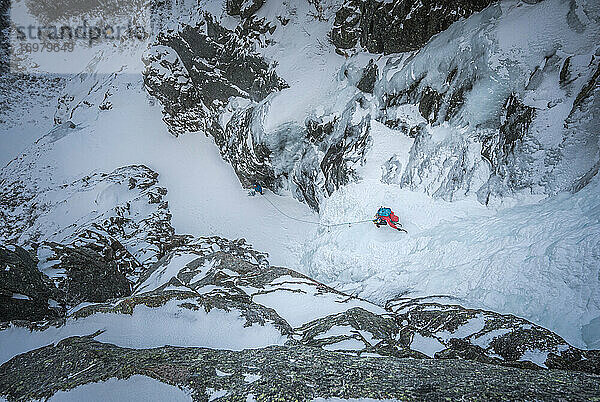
x,y
396,26
510,112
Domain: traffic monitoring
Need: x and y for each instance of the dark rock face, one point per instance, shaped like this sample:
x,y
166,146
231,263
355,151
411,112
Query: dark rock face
x,y
250,160
369,77
498,149
349,149
85,276
4,39
89,276
206,65
397,26
243,8
316,373
25,292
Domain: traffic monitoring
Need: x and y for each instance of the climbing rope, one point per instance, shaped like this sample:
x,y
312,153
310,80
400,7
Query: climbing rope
x,y
311,222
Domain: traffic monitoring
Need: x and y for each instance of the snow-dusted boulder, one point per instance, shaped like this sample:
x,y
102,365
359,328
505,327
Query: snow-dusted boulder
x,y
125,207
438,328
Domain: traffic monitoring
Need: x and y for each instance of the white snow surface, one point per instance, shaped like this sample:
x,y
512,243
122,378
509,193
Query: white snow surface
x,y
308,303
537,261
426,345
149,328
137,388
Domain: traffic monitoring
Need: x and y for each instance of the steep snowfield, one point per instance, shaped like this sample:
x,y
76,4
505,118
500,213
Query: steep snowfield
x,y
536,258
538,261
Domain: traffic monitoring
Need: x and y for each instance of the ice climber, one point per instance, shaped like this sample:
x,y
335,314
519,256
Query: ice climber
x,y
257,189
385,216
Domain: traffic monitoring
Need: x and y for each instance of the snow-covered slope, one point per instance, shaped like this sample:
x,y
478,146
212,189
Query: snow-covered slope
x,y
537,260
484,142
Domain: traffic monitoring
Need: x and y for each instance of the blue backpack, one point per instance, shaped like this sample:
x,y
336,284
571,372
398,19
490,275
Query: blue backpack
x,y
384,212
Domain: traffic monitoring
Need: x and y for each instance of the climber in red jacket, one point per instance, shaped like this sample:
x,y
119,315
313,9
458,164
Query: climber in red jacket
x,y
385,216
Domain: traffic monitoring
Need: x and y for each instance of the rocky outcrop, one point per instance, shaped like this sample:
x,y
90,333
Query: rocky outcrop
x,y
26,293
208,79
88,275
194,71
457,332
243,8
212,274
75,275
369,77
396,26
123,230
250,159
265,373
138,222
